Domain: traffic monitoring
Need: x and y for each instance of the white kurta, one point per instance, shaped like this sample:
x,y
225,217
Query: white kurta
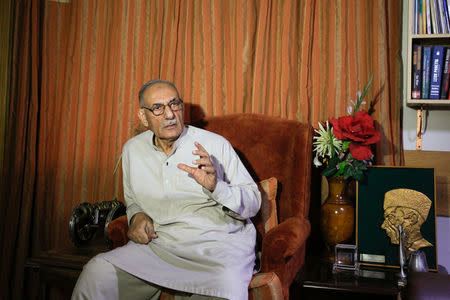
x,y
206,242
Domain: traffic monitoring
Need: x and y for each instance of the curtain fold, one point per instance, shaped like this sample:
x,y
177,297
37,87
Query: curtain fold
x,y
19,172
78,67
5,70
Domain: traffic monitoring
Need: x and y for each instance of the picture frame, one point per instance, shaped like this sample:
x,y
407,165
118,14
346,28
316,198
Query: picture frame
x,y
372,241
345,258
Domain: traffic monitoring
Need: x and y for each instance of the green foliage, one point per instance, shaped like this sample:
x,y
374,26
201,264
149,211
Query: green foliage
x,y
349,168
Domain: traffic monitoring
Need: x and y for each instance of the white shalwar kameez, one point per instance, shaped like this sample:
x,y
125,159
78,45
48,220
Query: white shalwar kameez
x,y
206,242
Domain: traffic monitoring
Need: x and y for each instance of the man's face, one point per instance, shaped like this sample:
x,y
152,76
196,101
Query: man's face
x,y
391,221
170,124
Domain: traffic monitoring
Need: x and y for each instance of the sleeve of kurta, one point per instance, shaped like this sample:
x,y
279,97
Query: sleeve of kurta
x,y
235,188
132,207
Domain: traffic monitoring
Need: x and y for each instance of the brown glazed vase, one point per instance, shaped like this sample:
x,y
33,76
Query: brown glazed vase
x,y
337,215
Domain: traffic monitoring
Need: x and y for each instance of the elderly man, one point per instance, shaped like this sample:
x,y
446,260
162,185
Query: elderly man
x,y
189,199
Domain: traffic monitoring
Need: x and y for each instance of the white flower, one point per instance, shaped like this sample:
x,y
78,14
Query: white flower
x,y
349,109
326,144
316,161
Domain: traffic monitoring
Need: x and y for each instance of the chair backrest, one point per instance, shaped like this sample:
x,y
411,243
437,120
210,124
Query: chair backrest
x,y
272,147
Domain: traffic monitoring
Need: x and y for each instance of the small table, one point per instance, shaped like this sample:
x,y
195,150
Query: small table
x,y
317,281
56,271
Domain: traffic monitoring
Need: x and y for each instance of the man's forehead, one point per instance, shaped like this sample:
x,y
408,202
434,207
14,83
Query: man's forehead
x,y
159,93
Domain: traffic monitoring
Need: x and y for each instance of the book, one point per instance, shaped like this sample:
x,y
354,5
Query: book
x,y
420,18
426,70
442,19
437,57
416,72
446,15
438,16
433,16
415,17
448,8
445,75
424,17
427,7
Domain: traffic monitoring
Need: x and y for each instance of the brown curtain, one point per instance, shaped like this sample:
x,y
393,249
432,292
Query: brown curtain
x,y
18,176
78,67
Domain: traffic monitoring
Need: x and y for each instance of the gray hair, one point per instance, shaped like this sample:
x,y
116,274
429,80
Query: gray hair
x,y
151,83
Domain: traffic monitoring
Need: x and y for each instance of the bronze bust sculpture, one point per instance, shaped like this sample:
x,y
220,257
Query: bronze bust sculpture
x,y
408,208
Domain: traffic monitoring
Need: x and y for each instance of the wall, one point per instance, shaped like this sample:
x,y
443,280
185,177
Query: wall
x,y
435,138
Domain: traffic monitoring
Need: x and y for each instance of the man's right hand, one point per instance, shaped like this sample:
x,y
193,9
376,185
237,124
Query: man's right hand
x,y
141,229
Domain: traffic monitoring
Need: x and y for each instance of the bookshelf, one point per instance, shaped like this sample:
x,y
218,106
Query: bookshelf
x,y
424,40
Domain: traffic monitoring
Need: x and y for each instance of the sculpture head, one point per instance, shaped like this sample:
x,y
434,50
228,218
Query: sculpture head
x,y
410,209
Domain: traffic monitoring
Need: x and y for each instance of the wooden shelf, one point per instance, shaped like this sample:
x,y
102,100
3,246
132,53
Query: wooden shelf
x,y
424,39
427,102
430,36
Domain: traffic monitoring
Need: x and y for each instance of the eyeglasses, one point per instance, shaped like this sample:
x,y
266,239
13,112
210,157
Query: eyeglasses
x,y
158,109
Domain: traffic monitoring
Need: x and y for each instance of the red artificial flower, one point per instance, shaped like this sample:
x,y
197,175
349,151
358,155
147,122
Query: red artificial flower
x,y
358,128
359,151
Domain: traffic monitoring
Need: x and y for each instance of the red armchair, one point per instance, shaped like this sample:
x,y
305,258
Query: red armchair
x,y
268,147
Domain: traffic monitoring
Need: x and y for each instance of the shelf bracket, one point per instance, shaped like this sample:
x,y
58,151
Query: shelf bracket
x,y
420,126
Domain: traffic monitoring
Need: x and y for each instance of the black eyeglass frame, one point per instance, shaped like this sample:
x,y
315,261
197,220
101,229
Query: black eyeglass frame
x,y
176,101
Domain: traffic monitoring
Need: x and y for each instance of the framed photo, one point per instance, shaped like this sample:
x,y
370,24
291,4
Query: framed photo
x,y
389,196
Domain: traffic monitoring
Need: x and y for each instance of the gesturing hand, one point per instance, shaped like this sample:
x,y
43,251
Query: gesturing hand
x,y
141,229
205,174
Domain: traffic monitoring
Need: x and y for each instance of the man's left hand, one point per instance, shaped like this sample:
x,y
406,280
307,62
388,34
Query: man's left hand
x,y
205,174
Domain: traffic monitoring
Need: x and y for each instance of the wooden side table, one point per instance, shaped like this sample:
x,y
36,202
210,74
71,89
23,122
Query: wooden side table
x,y
53,273
317,281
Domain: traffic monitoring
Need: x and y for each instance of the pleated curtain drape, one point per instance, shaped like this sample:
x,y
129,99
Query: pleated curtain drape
x,y
78,65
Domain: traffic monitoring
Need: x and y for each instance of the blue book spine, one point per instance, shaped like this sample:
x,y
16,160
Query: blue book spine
x,y
437,57
438,16
426,72
446,15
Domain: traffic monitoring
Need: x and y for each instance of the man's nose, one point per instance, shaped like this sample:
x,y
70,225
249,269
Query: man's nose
x,y
168,113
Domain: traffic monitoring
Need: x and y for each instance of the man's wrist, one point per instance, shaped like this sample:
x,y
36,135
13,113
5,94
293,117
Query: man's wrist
x,y
136,214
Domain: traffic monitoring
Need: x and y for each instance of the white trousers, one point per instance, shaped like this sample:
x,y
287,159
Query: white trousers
x,y
101,280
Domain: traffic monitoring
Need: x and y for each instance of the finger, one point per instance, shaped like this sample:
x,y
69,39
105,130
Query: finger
x,y
186,168
201,151
200,147
208,169
203,161
150,232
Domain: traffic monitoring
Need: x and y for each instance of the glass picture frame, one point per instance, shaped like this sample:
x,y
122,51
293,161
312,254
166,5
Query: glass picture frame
x,y
375,246
345,258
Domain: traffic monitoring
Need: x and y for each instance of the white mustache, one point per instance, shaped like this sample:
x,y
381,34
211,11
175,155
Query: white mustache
x,y
170,122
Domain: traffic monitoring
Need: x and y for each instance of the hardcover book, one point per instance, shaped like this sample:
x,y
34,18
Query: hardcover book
x,y
428,14
445,75
426,71
416,71
437,58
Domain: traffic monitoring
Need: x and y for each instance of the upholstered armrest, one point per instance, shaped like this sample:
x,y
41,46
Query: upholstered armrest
x,y
117,231
283,241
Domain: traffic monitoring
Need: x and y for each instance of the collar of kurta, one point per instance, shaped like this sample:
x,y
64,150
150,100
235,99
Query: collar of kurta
x,y
175,145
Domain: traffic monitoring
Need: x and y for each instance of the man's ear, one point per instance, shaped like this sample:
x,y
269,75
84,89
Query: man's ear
x,y
413,217
141,115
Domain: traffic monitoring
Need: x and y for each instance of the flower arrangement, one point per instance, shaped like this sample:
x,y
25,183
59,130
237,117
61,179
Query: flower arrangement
x,y
345,147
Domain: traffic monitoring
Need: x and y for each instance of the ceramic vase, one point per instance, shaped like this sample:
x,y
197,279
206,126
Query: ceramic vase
x,y
337,216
